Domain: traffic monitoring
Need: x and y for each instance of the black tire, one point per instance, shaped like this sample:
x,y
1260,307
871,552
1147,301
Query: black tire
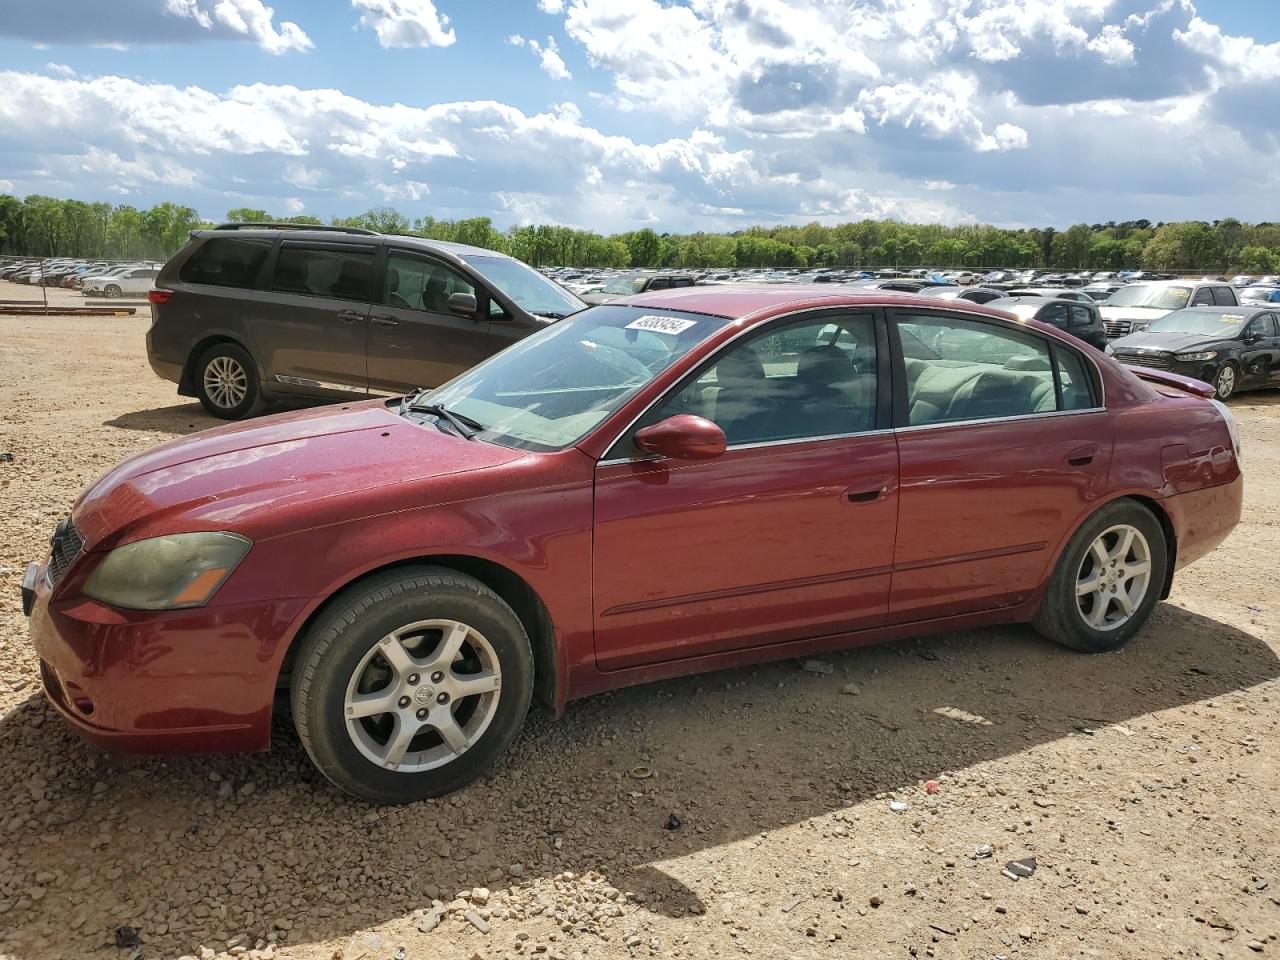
x,y
354,624
227,353
1227,390
1060,617
111,291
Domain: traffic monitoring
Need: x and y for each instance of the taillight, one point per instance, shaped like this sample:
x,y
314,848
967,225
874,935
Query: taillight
x,y
159,296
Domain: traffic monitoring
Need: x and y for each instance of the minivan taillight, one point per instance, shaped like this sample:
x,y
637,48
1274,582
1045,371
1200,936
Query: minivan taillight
x,y
159,296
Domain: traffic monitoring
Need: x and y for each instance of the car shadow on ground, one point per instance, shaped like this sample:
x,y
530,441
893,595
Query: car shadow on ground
x,y
166,846
178,419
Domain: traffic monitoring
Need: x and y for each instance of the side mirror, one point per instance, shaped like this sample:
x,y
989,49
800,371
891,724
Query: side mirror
x,y
682,437
462,303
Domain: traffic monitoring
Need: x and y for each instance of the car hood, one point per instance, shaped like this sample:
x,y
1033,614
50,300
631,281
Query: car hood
x,y
1157,341
1145,314
278,475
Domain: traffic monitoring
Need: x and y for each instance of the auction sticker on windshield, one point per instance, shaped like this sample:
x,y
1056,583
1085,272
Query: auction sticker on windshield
x,y
671,325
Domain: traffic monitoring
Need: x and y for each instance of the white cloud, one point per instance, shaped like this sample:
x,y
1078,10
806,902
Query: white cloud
x,y
1112,45
548,54
406,23
249,19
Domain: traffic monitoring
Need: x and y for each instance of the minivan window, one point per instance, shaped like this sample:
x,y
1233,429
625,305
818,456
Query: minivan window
x,y
226,262
343,273
416,283
526,286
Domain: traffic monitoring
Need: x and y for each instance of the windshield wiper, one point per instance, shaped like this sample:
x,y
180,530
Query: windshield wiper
x,y
465,425
549,314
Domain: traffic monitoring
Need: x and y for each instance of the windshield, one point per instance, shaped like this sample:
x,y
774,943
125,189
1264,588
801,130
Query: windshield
x,y
1200,321
1150,295
550,390
527,287
623,285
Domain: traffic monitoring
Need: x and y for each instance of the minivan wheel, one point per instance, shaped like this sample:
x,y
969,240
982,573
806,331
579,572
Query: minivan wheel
x,y
411,684
226,381
1107,581
1225,382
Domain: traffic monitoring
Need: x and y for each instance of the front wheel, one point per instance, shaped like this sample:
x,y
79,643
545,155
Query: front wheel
x,y
1107,581
112,291
411,684
1226,381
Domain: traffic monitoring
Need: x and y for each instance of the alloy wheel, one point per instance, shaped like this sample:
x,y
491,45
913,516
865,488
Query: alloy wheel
x,y
226,382
423,695
1113,578
1225,385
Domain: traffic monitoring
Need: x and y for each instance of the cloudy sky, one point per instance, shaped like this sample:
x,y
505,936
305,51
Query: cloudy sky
x,y
677,114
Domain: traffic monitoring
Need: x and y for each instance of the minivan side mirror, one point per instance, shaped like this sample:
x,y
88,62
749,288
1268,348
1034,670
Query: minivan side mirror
x,y
682,437
462,303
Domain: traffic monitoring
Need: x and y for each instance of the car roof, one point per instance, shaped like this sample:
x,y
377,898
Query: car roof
x,y
738,300
331,235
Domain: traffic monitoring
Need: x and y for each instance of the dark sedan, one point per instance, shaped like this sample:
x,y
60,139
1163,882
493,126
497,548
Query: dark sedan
x,y
972,294
1081,320
1234,348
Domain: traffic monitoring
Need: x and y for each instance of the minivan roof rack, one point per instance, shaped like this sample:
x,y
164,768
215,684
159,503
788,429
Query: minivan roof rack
x,y
282,225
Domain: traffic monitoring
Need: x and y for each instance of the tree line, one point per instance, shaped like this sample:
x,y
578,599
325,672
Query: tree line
x,y
47,226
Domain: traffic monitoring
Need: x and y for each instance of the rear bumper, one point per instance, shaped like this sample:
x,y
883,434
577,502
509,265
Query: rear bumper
x,y
164,369
185,681
1203,518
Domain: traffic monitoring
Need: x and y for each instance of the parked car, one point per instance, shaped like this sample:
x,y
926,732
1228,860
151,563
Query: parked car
x,y
1053,293
1082,320
246,315
1101,291
1260,294
1136,305
136,280
587,510
1234,349
628,284
972,294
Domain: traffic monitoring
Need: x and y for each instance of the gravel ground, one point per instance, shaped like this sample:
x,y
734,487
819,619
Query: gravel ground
x,y
1143,782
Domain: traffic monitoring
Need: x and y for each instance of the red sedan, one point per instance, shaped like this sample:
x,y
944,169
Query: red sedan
x,y
670,483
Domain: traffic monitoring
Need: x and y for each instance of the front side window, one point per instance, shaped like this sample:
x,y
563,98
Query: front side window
x,y
1224,297
223,262
968,370
416,283
1081,317
814,378
1055,314
551,389
342,273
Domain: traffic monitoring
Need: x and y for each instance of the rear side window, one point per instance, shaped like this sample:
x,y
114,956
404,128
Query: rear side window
x,y
342,273
973,371
1077,386
226,262
1224,296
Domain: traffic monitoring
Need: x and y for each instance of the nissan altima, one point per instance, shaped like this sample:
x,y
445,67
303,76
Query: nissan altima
x,y
669,483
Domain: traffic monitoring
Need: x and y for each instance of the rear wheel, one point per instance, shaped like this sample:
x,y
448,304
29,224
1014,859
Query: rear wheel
x,y
1107,581
411,685
226,381
1227,380
111,290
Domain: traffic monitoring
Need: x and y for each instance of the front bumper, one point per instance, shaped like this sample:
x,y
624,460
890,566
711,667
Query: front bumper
x,y
1204,370
181,681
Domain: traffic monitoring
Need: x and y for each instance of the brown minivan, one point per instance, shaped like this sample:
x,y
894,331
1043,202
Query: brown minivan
x,y
252,312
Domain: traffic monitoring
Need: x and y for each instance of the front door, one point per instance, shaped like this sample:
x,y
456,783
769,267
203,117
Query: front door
x,y
310,325
788,535
1261,354
1003,444
415,339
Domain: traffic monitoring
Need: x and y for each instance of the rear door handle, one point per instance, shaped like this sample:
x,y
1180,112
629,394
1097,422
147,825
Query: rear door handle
x,y
350,316
383,320
1083,456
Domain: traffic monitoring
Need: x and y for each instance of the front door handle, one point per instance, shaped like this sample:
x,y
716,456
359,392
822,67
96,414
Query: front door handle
x,y
384,320
860,493
350,316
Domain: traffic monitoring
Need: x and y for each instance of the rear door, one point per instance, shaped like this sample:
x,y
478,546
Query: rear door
x,y
310,328
1003,443
415,339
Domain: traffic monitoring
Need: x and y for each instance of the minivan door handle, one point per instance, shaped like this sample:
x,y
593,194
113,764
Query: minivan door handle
x,y
385,320
350,316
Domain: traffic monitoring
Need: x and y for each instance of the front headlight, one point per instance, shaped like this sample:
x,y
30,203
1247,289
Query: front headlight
x,y
1108,349
1203,355
167,573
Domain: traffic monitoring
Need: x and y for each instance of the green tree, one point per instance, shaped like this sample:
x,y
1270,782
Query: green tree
x,y
1256,260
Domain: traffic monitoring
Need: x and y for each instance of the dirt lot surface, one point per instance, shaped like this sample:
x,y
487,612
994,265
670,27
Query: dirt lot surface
x,y
1146,783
